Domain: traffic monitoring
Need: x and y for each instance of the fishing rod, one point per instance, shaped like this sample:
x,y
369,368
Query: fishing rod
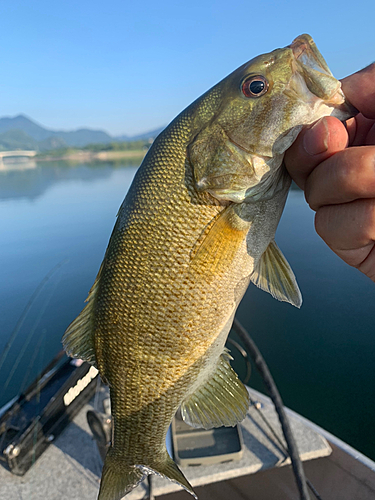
x,y
274,394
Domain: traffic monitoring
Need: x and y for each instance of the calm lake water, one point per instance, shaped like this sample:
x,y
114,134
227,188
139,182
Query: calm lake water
x,y
322,356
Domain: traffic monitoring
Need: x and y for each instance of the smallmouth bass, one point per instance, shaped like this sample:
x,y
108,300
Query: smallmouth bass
x,y
196,227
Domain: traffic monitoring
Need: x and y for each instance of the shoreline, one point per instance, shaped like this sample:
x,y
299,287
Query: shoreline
x,y
92,156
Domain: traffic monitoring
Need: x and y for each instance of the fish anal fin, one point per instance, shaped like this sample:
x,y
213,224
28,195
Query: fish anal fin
x,y
274,275
221,401
221,243
78,340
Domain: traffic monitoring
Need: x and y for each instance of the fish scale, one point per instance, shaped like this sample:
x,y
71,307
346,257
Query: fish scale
x,y
196,226
164,326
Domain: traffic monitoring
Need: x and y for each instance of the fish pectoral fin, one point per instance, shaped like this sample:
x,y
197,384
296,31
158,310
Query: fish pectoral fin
x,y
274,275
168,469
221,401
78,340
221,243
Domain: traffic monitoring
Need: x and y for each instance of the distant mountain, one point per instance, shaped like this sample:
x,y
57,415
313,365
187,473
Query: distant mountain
x,y
23,123
26,134
53,142
76,138
83,136
140,137
16,139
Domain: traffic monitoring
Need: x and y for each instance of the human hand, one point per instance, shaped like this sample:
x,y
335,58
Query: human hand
x,y
335,166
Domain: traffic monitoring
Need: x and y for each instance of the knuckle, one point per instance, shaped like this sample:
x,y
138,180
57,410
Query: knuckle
x,y
354,173
368,228
360,217
323,220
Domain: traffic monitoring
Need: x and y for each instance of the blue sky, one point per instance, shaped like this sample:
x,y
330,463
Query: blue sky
x,y
127,67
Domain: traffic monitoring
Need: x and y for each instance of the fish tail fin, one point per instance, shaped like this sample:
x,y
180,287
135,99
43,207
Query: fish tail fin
x,y
169,469
118,477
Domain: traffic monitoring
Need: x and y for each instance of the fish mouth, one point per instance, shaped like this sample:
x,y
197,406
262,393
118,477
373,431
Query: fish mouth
x,y
306,52
309,62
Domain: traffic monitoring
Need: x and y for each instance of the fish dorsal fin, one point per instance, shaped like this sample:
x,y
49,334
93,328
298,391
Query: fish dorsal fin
x,y
274,275
221,243
221,400
78,340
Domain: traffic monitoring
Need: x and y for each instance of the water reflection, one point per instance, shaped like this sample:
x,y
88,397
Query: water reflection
x,y
321,356
55,213
18,164
30,179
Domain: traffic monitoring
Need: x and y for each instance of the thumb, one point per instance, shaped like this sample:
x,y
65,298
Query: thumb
x,y
314,145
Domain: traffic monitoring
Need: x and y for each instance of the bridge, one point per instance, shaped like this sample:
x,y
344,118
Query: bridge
x,y
16,154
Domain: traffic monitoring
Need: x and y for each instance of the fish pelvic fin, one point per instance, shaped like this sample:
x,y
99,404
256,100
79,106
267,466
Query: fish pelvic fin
x,y
78,340
222,400
118,477
274,275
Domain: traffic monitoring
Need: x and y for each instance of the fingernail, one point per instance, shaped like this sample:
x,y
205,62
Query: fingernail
x,y
315,140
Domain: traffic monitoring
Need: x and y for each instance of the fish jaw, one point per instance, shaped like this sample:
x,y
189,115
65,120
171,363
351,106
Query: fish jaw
x,y
309,62
314,87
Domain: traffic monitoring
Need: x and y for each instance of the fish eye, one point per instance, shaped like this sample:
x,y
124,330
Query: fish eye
x,y
254,86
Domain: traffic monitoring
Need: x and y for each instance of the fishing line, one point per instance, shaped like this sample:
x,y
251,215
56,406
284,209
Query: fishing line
x,y
32,361
21,319
279,407
29,337
243,353
257,406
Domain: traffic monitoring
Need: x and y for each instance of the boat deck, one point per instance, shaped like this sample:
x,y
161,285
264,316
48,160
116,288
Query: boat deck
x,y
71,466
